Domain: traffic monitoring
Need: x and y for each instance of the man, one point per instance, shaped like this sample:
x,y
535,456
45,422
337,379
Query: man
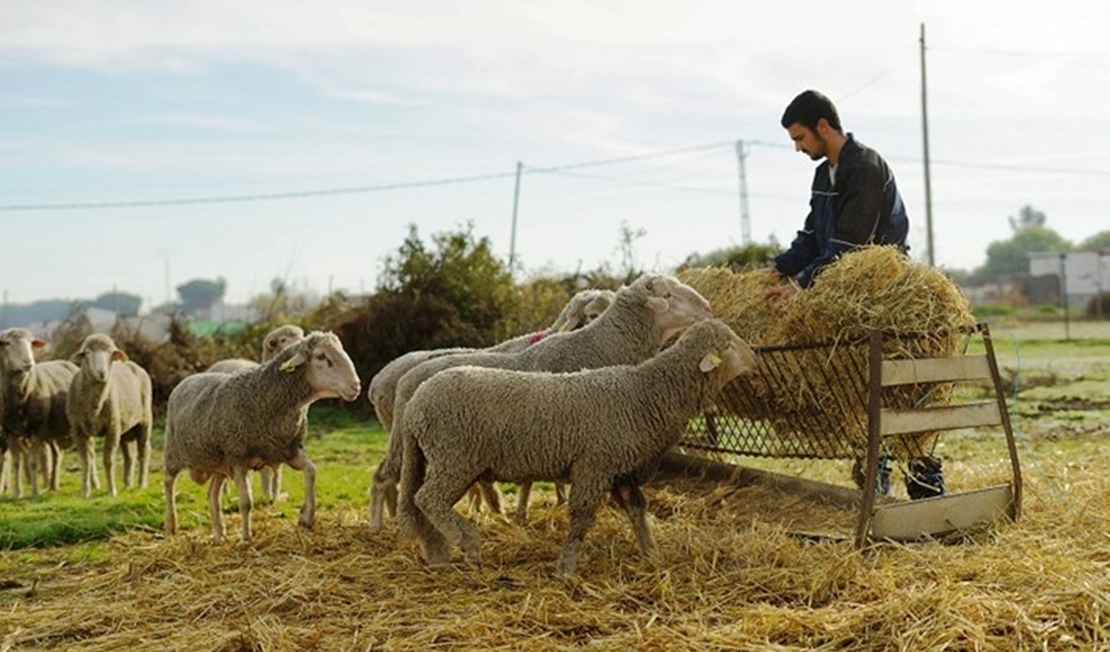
x,y
854,201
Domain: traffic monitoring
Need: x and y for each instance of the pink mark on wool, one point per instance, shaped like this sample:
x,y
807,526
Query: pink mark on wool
x,y
538,335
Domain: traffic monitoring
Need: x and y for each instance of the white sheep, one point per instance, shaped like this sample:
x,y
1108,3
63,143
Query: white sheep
x,y
643,316
33,409
582,308
110,397
223,425
594,429
274,342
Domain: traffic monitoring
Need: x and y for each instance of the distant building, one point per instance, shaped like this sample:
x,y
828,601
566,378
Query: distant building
x,y
1082,274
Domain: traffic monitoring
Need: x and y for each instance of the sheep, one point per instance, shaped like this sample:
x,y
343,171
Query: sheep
x,y
582,308
33,409
220,425
643,316
272,344
594,428
109,397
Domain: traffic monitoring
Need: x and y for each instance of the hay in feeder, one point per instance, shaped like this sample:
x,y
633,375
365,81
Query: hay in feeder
x,y
878,288
740,300
819,394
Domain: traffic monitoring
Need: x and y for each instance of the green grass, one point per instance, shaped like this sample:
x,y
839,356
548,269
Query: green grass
x,y
344,448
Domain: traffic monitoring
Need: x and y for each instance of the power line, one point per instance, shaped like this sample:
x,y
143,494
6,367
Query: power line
x,y
229,199
644,184
353,190
555,169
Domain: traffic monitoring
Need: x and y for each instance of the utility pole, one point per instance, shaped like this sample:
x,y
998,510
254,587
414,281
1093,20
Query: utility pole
x,y
745,219
516,205
925,142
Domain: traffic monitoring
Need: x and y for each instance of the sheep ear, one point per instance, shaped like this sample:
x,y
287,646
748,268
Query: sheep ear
x,y
710,362
297,360
37,343
119,356
77,357
658,304
570,324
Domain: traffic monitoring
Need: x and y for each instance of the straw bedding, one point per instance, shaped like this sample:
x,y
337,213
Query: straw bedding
x,y
732,574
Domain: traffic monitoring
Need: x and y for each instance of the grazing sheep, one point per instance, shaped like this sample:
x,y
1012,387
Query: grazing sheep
x,y
642,317
32,409
582,308
594,428
221,425
110,397
272,344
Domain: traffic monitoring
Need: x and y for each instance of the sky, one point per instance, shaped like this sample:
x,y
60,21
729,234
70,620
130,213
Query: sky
x,y
143,145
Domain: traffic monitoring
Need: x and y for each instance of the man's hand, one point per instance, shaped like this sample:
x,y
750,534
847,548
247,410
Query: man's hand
x,y
781,292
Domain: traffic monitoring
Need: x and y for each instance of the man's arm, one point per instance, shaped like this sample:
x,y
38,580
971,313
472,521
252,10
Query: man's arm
x,y
859,203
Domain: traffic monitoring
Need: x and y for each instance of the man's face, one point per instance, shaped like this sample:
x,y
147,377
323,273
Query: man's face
x,y
807,141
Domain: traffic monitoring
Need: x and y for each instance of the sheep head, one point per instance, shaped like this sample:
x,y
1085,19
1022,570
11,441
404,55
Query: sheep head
x,y
675,305
328,369
96,355
726,354
279,338
17,350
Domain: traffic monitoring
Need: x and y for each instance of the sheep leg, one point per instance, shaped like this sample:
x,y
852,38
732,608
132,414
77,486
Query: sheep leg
x,y
560,493
632,500
142,444
308,510
584,501
38,463
491,495
86,456
5,459
55,470
270,477
18,451
215,487
524,490
264,479
110,445
128,448
437,500
171,500
383,487
412,520
243,486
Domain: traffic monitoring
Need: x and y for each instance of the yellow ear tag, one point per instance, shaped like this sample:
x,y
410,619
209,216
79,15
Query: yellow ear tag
x,y
288,365
710,362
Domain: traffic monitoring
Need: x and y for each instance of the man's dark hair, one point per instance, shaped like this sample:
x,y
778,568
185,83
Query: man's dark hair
x,y
809,107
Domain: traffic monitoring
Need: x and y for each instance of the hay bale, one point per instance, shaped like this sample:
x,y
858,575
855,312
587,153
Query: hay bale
x,y
879,288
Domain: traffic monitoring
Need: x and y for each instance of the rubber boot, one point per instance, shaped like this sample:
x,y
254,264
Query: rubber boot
x,y
924,478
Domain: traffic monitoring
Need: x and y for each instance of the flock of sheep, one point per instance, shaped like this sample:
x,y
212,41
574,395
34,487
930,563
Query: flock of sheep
x,y
592,402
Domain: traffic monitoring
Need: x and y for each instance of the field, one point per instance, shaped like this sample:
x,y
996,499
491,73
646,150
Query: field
x,y
739,568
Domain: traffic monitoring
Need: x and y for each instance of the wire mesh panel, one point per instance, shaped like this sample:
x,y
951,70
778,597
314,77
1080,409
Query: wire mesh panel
x,y
806,401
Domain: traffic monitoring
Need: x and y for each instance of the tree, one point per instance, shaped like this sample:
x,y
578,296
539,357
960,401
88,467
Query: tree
x,y
200,294
1006,258
121,303
452,293
1097,242
1027,217
736,258
628,238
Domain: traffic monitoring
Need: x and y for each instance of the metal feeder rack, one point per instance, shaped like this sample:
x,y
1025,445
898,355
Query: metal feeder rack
x,y
867,400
